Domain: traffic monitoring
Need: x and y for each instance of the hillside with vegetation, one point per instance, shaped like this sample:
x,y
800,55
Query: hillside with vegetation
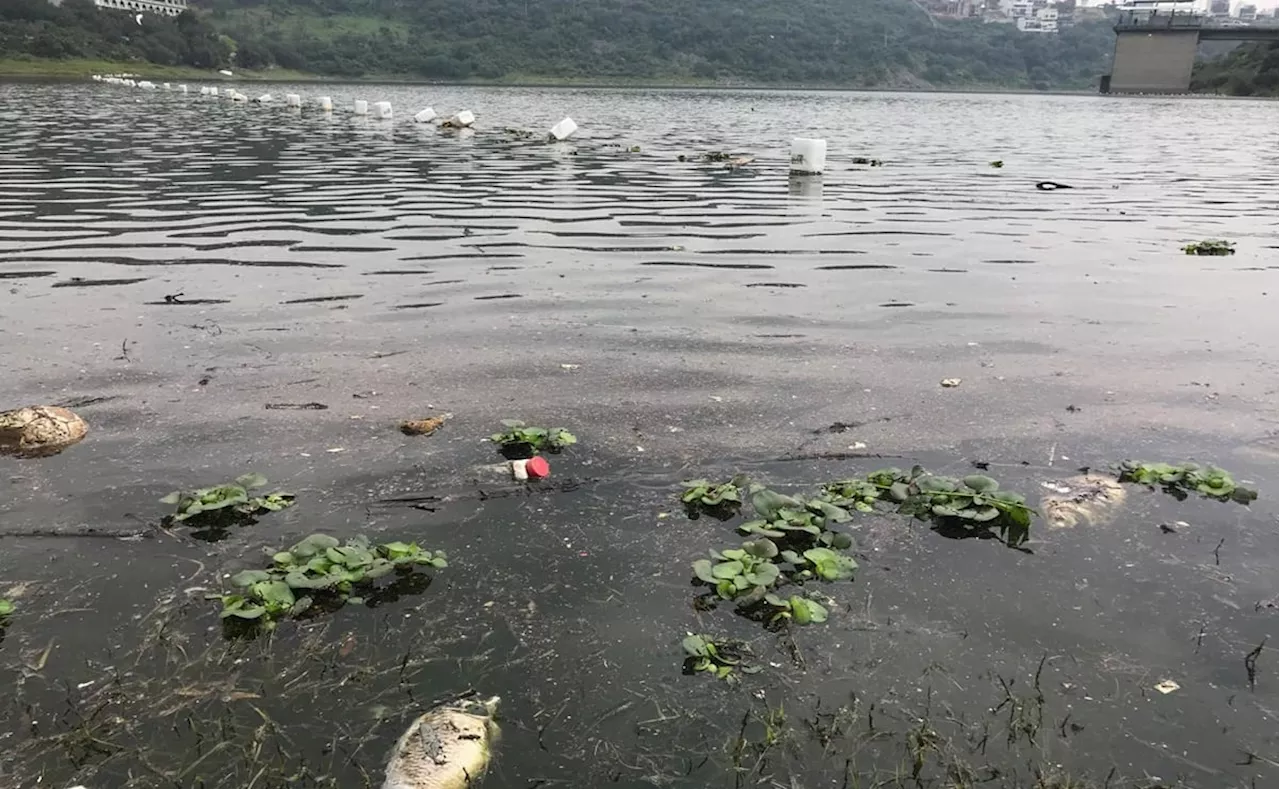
x,y
854,43
1248,70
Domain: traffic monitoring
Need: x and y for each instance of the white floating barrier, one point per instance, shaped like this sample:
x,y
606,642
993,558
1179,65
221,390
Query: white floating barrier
x,y
382,109
182,88
147,85
97,77
361,107
293,99
225,73
808,157
167,86
564,129
237,96
263,99
426,116
462,120
204,90
214,91
326,103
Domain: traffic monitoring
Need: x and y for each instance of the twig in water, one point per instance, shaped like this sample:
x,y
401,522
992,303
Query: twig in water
x,y
1251,663
1217,560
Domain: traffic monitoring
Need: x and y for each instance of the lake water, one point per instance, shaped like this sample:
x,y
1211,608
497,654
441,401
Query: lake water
x,y
171,265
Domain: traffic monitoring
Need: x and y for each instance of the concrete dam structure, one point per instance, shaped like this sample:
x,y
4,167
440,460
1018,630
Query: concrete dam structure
x,y
1156,52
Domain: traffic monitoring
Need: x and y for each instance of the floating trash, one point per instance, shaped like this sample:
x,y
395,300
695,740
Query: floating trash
x,y
460,121
361,107
382,110
447,748
423,427
564,129
950,383
326,103
1090,498
808,156
425,116
39,431
263,99
293,100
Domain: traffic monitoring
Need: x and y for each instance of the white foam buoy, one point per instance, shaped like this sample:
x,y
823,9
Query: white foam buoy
x,y
382,109
425,116
147,85
225,73
464,118
167,86
182,88
263,99
564,129
326,103
204,90
293,99
214,91
361,107
237,96
808,156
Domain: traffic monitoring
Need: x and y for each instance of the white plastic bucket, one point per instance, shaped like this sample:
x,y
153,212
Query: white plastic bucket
x,y
263,99
326,103
564,129
361,107
182,88
214,91
808,156
425,116
293,99
382,110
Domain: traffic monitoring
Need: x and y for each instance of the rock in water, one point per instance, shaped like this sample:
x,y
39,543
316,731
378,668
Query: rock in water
x,y
447,748
1091,498
39,431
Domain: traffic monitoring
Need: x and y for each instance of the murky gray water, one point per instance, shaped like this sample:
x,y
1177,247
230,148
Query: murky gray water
x,y
175,263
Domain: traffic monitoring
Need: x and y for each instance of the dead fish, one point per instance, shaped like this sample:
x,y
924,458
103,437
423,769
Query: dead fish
x,y
447,748
423,427
1089,498
39,431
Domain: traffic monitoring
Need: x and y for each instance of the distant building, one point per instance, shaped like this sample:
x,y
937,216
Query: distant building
x,y
1044,21
1247,12
1219,7
165,7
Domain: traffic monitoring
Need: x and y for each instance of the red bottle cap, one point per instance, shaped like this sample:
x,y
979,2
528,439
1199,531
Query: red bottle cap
x,y
537,468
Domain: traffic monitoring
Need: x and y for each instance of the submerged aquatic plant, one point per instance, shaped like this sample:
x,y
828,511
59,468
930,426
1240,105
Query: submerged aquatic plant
x,y
722,658
1210,247
319,570
1178,481
230,500
520,438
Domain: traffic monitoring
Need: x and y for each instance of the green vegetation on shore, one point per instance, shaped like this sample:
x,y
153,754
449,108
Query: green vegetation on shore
x,y
863,43
1248,70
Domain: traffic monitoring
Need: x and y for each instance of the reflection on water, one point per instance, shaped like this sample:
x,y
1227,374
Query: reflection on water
x,y
172,264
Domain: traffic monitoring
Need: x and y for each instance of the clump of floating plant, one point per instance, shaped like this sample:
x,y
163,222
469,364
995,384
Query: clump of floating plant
x,y
520,440
795,540
1181,480
6,609
997,164
719,500
320,571
721,658
224,505
1210,247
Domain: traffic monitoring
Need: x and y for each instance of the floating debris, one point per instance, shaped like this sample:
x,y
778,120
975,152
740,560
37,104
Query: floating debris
x,y
1090,498
1167,686
997,164
1210,247
950,383
39,431
423,427
447,748
1049,186
866,161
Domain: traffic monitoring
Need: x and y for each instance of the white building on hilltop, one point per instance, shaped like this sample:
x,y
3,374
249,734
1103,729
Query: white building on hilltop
x,y
1045,21
166,7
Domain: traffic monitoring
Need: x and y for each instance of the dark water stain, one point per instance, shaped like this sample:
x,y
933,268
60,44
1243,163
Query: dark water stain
x,y
1010,262
319,299
77,282
418,306
775,285
683,264
949,270
897,304
499,296
855,267
502,268
25,274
